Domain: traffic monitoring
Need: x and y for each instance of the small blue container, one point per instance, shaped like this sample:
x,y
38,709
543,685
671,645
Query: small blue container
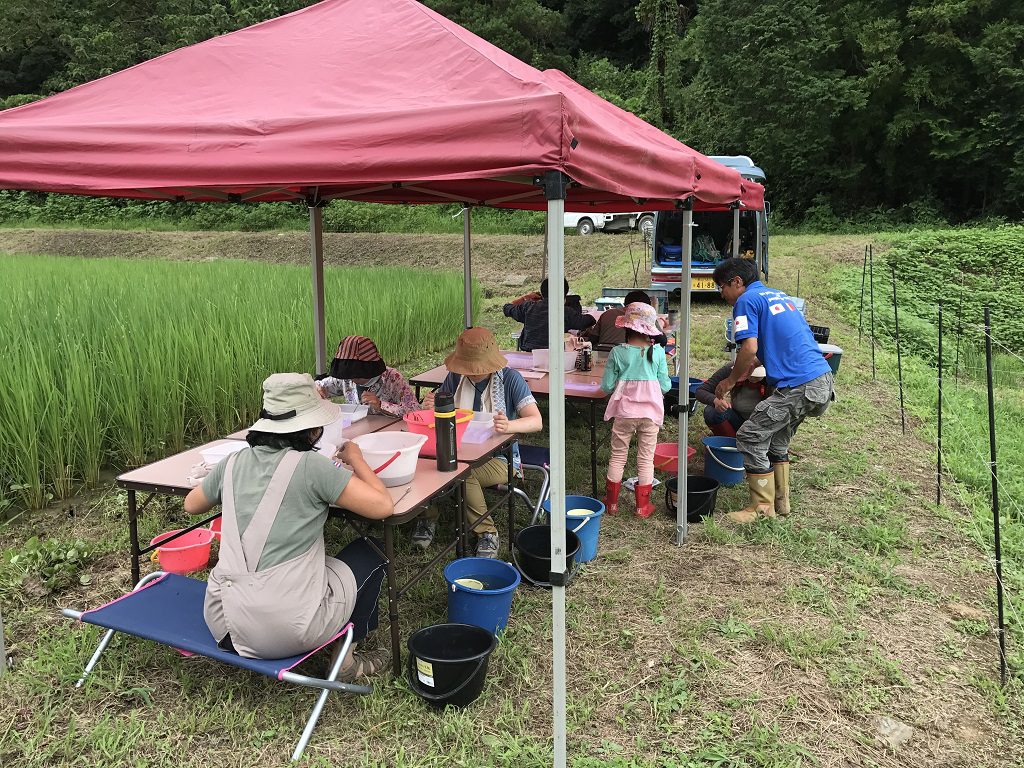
x,y
489,607
586,527
722,461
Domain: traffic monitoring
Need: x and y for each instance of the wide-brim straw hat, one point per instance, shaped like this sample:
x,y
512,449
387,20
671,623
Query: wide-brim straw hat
x,y
291,404
639,317
476,354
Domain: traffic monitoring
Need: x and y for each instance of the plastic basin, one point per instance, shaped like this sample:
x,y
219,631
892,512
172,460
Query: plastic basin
x,y
392,455
187,554
422,423
666,456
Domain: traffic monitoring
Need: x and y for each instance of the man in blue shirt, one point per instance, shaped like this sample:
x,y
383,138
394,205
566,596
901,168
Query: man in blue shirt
x,y
768,326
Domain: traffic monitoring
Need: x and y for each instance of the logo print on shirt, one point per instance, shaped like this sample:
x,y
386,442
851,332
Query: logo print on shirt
x,y
792,308
776,308
740,323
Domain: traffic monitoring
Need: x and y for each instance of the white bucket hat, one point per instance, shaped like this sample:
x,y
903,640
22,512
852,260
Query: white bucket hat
x,y
291,404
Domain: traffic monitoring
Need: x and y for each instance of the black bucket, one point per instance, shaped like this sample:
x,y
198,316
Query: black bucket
x,y
532,553
701,494
448,663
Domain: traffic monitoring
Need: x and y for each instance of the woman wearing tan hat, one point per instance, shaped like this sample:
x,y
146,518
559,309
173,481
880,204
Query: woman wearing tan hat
x,y
480,380
274,593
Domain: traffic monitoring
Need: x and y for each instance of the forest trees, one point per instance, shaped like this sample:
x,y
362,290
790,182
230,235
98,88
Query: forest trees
x,y
853,108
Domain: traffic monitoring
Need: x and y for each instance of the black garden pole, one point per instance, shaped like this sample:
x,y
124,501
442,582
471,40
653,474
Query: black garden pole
x,y
871,281
863,280
938,459
995,499
959,331
899,358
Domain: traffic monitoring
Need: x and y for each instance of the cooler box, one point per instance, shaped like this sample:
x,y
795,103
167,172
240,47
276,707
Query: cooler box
x,y
833,355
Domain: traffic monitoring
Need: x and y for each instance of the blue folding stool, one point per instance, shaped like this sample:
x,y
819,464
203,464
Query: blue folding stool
x,y
168,609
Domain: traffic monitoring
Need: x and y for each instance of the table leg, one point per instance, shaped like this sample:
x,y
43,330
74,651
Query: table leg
x,y
133,534
461,543
396,647
593,448
511,500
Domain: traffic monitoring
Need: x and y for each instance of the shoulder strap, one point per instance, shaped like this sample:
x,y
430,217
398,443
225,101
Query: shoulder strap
x,y
256,533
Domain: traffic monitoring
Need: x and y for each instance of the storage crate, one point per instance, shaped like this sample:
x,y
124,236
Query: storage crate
x,y
820,333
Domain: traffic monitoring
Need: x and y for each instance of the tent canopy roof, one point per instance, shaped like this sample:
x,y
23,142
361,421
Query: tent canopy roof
x,y
372,100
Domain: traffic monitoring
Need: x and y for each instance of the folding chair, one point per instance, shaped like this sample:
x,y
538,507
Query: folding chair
x,y
168,609
538,458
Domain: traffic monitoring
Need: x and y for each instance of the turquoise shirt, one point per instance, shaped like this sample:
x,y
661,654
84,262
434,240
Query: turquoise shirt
x,y
629,363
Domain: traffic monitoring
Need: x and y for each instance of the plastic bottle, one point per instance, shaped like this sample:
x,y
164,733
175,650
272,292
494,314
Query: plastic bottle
x,y
444,425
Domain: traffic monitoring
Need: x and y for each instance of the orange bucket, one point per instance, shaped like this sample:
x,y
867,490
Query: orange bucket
x,y
186,554
422,423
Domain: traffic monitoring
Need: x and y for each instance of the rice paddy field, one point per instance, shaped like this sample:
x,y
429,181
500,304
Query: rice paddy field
x,y
112,363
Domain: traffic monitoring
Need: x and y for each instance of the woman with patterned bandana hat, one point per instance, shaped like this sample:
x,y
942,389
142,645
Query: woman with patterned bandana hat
x,y
358,372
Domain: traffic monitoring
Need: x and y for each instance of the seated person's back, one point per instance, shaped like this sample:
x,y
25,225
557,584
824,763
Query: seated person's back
x,y
531,310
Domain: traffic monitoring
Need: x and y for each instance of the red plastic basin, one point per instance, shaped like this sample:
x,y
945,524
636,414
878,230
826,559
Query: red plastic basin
x,y
666,456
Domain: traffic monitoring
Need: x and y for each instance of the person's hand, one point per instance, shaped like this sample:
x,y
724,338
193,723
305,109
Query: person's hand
x,y
500,423
721,405
349,453
724,387
371,400
428,401
320,390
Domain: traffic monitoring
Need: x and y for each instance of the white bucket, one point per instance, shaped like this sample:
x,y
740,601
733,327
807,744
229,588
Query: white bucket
x,y
379,449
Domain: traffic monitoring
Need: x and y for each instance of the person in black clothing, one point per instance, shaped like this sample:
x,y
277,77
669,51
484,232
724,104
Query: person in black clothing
x,y
531,310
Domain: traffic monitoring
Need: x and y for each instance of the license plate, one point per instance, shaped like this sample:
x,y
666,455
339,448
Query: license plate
x,y
703,284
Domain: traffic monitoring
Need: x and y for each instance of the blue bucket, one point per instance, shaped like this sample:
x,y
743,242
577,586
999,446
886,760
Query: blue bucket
x,y
722,461
587,527
488,607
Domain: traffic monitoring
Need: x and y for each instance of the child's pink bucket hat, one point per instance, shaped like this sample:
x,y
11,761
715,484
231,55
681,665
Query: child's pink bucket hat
x,y
641,318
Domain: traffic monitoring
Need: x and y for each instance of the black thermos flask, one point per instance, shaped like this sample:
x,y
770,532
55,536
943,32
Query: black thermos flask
x,y
444,425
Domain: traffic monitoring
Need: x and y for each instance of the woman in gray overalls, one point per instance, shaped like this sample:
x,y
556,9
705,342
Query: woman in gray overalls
x,y
274,592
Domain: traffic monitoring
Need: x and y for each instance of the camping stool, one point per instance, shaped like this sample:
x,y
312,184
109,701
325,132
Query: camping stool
x,y
168,609
534,457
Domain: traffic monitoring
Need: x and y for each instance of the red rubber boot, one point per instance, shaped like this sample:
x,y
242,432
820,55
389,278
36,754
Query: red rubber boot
x,y
611,496
644,508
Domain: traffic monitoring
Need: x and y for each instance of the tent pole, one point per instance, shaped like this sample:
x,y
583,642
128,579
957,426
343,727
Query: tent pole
x,y
467,267
735,230
316,252
554,191
757,241
683,356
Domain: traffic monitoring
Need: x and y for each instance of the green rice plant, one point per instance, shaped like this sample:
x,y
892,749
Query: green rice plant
x,y
115,362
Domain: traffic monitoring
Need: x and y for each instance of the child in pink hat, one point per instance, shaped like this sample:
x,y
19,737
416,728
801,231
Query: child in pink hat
x,y
637,376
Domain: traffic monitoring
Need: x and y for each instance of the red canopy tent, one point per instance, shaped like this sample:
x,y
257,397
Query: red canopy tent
x,y
372,100
361,99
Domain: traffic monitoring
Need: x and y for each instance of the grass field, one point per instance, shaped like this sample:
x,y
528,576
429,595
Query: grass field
x,y
113,362
776,645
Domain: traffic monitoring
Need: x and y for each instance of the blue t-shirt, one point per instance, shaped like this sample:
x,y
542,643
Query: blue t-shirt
x,y
784,341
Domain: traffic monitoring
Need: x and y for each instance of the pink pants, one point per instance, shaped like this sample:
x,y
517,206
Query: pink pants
x,y
646,440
